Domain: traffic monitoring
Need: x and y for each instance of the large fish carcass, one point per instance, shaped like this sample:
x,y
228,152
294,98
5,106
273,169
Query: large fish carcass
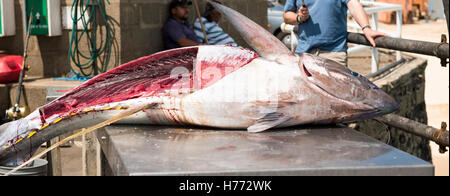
x,y
215,86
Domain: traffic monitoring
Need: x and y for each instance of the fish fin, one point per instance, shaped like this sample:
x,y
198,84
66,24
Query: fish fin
x,y
268,121
267,45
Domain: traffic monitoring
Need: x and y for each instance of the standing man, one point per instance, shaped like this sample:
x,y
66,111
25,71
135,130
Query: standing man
x,y
323,26
177,31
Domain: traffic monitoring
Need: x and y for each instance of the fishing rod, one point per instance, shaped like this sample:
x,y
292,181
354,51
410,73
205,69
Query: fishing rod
x,y
17,112
200,20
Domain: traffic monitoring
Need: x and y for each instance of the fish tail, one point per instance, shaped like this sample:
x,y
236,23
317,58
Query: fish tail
x,y
122,115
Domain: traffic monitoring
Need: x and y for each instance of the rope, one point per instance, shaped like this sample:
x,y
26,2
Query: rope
x,y
86,62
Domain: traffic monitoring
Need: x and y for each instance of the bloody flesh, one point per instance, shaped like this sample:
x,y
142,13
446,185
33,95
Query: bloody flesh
x,y
145,77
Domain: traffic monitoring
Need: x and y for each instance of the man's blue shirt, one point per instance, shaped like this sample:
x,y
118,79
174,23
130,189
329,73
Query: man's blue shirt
x,y
326,28
174,31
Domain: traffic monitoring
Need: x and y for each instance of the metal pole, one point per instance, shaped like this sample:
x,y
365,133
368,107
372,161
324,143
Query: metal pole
x,y
375,56
410,126
374,74
439,50
399,21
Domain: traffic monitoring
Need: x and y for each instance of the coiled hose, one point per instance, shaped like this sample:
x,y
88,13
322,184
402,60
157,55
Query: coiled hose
x,y
87,62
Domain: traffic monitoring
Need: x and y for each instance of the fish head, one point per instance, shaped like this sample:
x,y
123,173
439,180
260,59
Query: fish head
x,y
350,94
356,95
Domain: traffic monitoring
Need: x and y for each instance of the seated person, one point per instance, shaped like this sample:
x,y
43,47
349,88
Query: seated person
x,y
177,31
215,34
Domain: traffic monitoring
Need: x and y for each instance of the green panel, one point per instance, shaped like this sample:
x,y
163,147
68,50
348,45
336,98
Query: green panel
x,y
39,25
1,18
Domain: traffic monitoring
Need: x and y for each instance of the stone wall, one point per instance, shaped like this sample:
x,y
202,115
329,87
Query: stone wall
x,y
4,102
136,32
47,56
407,85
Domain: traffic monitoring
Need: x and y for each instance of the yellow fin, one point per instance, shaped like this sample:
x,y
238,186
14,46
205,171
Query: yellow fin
x,y
43,127
31,134
18,140
88,110
57,120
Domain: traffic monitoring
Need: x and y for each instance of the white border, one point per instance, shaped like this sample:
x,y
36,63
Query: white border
x,y
8,18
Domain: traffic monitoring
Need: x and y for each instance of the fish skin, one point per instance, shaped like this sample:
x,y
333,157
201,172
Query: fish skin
x,y
215,86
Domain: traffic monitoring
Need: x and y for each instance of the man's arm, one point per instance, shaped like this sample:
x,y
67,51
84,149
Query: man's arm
x,y
290,18
358,13
184,42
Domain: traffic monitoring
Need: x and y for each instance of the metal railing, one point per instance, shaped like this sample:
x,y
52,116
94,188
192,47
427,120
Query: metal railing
x,y
372,9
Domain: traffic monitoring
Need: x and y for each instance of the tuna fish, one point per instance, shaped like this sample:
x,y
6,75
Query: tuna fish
x,y
214,86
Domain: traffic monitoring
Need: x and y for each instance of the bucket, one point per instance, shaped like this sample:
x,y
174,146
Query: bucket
x,y
37,168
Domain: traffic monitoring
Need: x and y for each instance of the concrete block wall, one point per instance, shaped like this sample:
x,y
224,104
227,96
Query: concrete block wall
x,y
136,32
47,56
4,101
141,25
405,84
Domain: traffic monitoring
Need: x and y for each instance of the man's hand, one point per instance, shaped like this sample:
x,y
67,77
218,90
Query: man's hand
x,y
303,12
294,18
372,34
358,13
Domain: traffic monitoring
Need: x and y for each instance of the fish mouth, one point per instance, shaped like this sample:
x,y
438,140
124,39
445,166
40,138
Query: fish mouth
x,y
373,113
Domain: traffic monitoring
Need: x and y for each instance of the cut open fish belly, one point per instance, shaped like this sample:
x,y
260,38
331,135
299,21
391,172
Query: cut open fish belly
x,y
164,78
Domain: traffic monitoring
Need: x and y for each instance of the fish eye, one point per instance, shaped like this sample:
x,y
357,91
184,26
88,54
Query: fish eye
x,y
355,74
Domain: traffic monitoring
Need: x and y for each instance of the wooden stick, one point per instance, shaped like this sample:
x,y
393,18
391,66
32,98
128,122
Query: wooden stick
x,y
201,22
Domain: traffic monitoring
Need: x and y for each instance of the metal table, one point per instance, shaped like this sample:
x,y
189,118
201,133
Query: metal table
x,y
161,150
